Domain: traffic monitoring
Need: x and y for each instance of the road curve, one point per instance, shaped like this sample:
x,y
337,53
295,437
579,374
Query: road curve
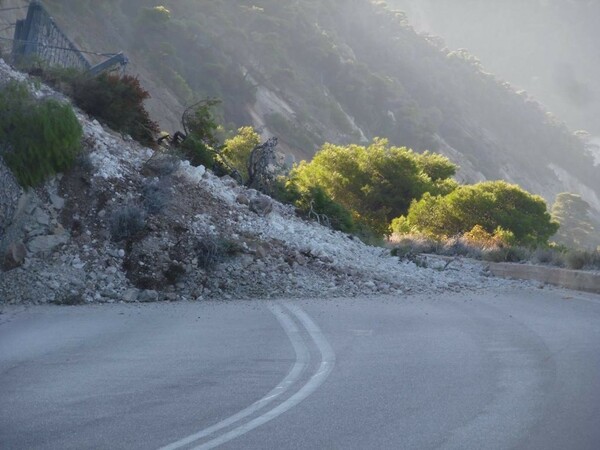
x,y
510,368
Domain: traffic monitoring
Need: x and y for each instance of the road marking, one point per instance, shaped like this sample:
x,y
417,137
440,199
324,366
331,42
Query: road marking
x,y
302,361
362,332
325,368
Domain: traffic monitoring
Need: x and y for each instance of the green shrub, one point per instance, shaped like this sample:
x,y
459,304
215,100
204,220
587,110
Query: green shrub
x,y
201,144
376,182
237,150
198,153
40,137
156,17
318,206
504,211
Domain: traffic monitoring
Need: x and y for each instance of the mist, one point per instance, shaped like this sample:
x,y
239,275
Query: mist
x,y
546,47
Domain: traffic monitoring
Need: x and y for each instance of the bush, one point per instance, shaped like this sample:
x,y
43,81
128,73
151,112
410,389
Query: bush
x,y
505,211
197,152
237,150
119,102
577,259
116,100
40,138
318,206
400,225
127,223
511,254
376,183
201,144
546,256
459,246
211,250
479,237
156,196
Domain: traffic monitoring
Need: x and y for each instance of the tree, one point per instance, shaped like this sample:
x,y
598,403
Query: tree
x,y
492,205
237,150
200,126
577,229
376,183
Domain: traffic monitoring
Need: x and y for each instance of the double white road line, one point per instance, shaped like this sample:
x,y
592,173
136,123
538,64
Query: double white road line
x,y
292,318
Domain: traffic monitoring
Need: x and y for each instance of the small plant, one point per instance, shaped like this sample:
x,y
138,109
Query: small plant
x,y
198,153
548,255
201,144
510,254
39,137
156,195
577,259
174,273
211,250
127,223
208,252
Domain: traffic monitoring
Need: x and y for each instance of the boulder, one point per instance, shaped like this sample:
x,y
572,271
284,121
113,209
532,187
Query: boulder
x,y
131,295
57,201
148,296
47,244
41,217
14,256
161,165
261,205
243,199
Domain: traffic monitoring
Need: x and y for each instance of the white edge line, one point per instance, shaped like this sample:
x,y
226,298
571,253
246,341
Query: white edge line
x,y
302,359
325,368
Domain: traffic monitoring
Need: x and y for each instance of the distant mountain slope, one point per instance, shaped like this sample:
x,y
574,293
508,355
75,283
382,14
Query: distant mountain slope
x,y
549,47
312,71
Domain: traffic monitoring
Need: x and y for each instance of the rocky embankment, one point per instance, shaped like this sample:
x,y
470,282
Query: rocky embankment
x,y
130,224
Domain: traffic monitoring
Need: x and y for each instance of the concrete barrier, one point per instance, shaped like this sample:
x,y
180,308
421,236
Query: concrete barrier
x,y
570,279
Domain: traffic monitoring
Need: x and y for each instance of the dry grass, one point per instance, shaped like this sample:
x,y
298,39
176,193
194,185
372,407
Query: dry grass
x,y
493,250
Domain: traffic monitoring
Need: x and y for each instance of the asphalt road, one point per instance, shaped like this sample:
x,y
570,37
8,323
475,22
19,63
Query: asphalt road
x,y
514,368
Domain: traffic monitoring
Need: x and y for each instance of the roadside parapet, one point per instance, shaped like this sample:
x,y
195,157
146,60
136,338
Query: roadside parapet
x,y
571,279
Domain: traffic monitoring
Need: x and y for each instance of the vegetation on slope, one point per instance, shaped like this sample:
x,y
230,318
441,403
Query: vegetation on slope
x,y
577,228
336,62
39,137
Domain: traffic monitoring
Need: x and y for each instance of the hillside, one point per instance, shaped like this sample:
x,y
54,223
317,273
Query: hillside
x,y
336,71
125,224
548,47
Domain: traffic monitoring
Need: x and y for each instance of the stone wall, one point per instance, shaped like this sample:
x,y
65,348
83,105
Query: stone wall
x,y
569,279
